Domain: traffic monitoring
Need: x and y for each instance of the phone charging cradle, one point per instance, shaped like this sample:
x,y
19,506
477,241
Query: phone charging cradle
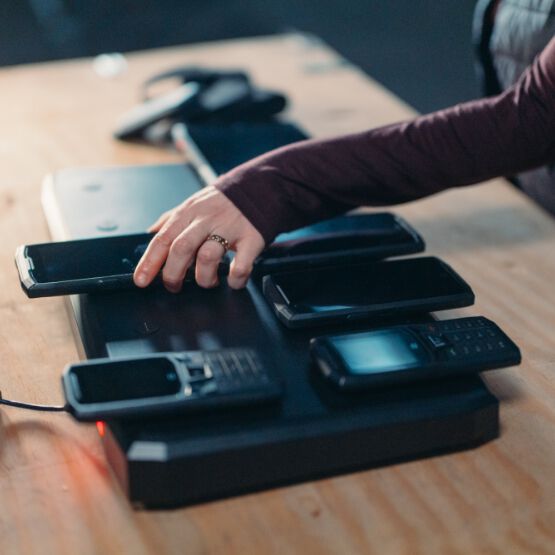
x,y
314,432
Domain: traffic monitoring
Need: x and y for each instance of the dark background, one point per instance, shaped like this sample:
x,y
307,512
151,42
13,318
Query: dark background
x,y
420,49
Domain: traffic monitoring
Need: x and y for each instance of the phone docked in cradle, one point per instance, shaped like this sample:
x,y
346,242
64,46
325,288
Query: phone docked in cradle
x,y
401,354
339,241
222,146
336,294
190,381
83,265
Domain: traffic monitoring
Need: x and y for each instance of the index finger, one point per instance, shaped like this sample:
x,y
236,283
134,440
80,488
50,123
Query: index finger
x,y
155,255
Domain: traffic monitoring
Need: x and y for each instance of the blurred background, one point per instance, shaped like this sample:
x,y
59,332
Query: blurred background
x,y
420,49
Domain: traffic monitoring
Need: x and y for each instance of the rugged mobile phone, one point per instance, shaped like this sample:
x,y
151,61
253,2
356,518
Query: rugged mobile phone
x,y
364,290
84,265
190,381
400,354
340,240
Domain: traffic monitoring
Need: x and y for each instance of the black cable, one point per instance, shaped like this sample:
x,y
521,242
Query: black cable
x,y
31,406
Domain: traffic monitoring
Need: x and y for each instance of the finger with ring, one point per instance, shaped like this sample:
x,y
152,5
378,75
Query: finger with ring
x,y
219,239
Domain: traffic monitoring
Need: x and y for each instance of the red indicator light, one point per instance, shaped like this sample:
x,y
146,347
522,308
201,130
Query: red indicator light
x,y
101,429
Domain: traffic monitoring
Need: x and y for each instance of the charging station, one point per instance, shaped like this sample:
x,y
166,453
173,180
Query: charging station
x,y
315,432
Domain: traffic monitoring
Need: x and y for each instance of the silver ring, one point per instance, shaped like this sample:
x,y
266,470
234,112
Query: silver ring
x,y
219,239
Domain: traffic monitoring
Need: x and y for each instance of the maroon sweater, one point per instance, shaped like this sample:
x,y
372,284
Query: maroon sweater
x,y
298,184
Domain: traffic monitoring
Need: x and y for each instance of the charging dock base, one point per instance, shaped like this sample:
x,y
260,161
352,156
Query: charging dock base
x,y
314,432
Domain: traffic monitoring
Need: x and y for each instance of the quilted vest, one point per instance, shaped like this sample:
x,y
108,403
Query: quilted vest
x,y
521,29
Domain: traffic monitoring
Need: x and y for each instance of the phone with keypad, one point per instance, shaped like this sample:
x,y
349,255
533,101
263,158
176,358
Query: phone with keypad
x,y
402,354
190,381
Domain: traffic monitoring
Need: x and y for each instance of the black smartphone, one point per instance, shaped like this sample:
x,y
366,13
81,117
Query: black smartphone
x,y
190,381
334,294
80,266
85,265
402,354
215,148
341,240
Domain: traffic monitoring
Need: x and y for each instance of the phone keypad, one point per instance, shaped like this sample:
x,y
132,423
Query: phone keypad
x,y
230,369
473,337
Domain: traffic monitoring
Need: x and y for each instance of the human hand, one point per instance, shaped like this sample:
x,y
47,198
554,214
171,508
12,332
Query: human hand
x,y
182,236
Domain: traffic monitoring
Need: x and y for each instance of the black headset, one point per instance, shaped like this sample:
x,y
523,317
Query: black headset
x,y
203,95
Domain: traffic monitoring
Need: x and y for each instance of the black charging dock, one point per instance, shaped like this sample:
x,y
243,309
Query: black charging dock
x,y
315,432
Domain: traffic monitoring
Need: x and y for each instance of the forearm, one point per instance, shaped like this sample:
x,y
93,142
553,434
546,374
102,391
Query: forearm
x,y
465,144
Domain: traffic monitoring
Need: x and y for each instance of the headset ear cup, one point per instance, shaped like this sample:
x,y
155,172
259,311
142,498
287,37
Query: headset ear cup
x,y
268,103
237,104
259,105
224,100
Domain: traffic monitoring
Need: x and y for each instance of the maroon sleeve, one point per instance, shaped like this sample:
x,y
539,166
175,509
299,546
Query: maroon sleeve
x,y
296,185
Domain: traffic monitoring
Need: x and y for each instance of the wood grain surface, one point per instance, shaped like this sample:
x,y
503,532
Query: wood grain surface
x,y
57,492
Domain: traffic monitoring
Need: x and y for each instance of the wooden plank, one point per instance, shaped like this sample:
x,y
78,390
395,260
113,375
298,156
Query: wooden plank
x,y
58,493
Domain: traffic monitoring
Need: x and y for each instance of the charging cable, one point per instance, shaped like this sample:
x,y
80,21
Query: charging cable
x,y
32,406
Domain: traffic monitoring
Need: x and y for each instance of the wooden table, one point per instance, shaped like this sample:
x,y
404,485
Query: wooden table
x,y
58,494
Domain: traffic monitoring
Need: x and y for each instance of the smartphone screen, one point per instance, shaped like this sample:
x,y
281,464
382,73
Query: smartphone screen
x,y
86,258
355,286
124,380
